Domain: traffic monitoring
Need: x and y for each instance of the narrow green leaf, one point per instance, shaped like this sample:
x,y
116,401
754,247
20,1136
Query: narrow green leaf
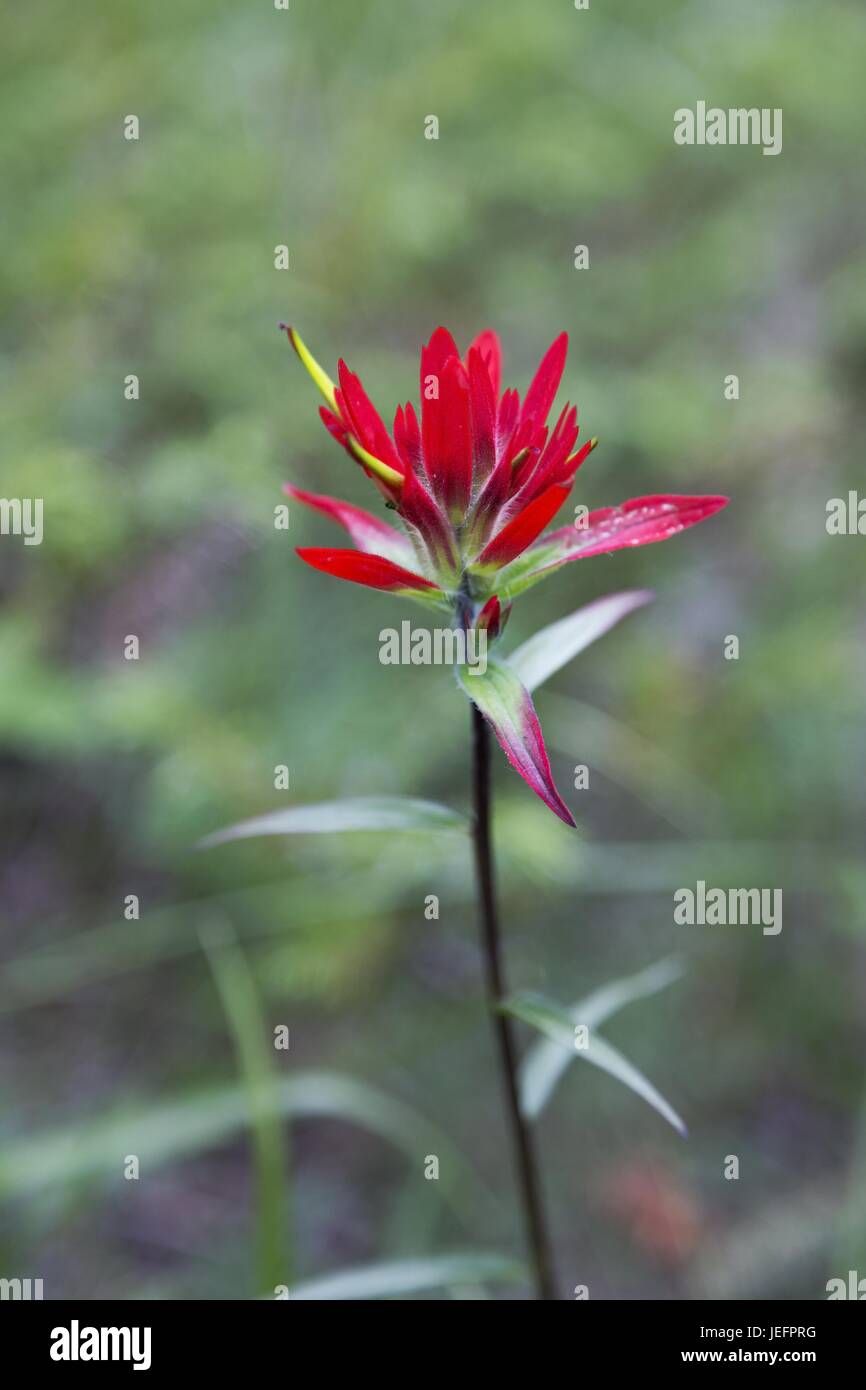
x,y
602,1054
93,1149
546,1062
556,1023
391,813
240,1000
396,1277
554,646
604,1002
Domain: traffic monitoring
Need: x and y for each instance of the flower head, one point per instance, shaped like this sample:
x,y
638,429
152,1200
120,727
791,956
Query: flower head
x,y
475,481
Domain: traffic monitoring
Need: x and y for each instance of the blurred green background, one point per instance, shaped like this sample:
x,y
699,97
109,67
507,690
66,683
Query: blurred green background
x,y
156,257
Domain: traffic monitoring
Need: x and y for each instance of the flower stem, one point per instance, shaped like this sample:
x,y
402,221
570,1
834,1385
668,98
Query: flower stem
x,y
524,1154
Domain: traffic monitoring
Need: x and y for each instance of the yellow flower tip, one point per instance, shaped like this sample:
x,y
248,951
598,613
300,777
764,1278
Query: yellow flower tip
x,y
326,386
382,470
319,375
592,443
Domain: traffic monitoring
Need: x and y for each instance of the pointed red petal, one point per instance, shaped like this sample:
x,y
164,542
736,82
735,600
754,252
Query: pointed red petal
x,y
522,529
526,460
506,419
487,345
364,420
424,513
407,436
335,427
489,503
545,384
434,355
413,433
571,465
372,570
557,464
369,532
447,435
483,406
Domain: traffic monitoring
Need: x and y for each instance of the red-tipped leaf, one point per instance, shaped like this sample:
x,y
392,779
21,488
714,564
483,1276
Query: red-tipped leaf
x,y
640,521
509,711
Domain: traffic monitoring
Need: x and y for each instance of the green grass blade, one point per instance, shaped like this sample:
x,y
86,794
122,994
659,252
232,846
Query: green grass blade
x,y
394,1278
240,1000
360,813
93,1149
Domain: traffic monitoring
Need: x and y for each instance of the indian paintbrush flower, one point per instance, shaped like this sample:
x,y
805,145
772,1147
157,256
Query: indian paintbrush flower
x,y
473,484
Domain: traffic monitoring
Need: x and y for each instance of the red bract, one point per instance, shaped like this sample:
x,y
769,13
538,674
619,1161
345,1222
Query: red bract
x,y
474,482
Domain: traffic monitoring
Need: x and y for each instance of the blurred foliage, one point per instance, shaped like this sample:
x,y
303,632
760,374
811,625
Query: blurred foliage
x,y
155,257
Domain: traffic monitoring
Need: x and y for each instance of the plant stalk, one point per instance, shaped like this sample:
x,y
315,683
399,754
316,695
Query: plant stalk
x,y
523,1147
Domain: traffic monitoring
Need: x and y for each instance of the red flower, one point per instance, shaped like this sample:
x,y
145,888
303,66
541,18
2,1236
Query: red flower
x,y
475,482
